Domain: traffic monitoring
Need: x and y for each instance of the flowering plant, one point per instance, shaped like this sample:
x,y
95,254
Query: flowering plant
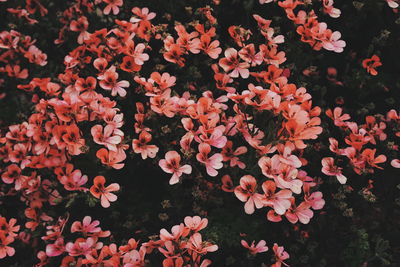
x,y
120,107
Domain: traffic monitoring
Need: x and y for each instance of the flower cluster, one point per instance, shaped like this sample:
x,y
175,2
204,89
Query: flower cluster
x,y
213,113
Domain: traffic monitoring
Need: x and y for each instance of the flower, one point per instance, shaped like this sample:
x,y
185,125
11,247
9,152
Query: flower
x,y
329,168
231,63
140,145
112,5
104,193
246,192
370,64
212,163
254,249
171,165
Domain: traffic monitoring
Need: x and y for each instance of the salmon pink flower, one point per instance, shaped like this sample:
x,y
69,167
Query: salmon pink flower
x,y
112,5
177,231
142,14
98,190
370,64
227,184
195,223
315,200
280,201
369,156
56,249
199,246
171,164
108,81
82,246
231,63
253,248
111,158
280,256
141,146
74,181
246,192
80,26
108,136
329,168
301,213
395,163
231,155
212,49
6,250
89,227
212,163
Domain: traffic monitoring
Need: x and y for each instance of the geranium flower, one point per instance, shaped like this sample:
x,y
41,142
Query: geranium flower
x,y
171,164
280,201
6,250
280,255
112,5
108,81
212,163
108,136
253,248
98,190
55,249
329,168
141,146
231,63
195,223
370,64
246,192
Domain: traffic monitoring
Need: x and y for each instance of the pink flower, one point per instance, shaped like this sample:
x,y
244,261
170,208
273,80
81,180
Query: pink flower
x,y
212,163
108,81
231,155
140,146
280,201
254,249
195,223
142,14
171,164
109,137
74,181
56,249
315,200
112,4
197,245
395,163
280,255
82,246
176,232
231,63
246,192
87,226
333,43
6,250
98,190
301,213
329,168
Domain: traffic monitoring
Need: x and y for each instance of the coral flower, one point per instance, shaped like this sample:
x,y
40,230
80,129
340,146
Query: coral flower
x,y
98,190
246,192
329,168
231,63
370,64
171,164
141,146
212,163
253,248
112,5
4,248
